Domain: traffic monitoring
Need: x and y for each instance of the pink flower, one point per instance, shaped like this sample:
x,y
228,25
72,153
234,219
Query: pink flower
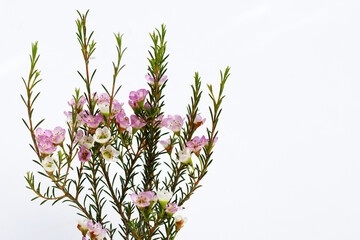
x,y
196,144
174,123
138,96
136,122
159,121
84,154
152,81
167,145
133,104
46,147
122,121
58,136
116,108
199,121
93,121
103,102
96,231
172,208
143,199
39,133
79,135
104,97
44,141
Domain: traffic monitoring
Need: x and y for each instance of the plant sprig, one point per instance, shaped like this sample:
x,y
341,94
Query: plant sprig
x,y
94,183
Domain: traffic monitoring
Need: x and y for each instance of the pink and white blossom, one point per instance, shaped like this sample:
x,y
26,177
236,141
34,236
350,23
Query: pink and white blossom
x,y
172,208
196,144
58,136
159,121
48,164
39,133
82,139
167,145
116,108
136,123
84,154
122,121
87,141
184,156
199,121
103,103
79,135
109,153
96,232
174,123
152,81
104,108
102,135
143,199
133,104
104,97
45,145
138,96
93,121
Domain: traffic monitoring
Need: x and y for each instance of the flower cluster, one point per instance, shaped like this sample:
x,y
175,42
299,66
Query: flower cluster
x,y
48,140
147,199
113,159
93,230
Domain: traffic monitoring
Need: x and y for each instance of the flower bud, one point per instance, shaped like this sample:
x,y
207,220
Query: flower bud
x,y
82,226
164,197
179,221
172,208
185,156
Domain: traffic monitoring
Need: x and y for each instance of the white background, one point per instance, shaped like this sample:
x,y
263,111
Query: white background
x,y
287,161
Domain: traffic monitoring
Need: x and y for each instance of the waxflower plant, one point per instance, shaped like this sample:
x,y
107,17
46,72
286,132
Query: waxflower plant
x,y
144,164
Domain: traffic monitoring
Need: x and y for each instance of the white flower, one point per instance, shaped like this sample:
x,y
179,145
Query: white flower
x,y
164,197
102,135
87,141
83,224
48,164
104,107
185,156
109,153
